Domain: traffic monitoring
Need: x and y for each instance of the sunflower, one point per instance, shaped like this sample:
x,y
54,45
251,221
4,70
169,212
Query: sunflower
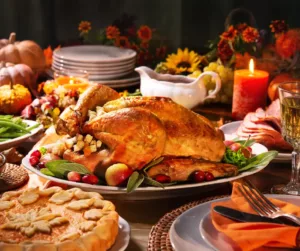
x,y
183,62
144,33
112,32
250,35
85,26
230,34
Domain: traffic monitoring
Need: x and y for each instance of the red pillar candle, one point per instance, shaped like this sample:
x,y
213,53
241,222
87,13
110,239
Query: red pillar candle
x,y
249,91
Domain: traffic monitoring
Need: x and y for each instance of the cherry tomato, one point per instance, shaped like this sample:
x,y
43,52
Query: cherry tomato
x,y
228,142
235,147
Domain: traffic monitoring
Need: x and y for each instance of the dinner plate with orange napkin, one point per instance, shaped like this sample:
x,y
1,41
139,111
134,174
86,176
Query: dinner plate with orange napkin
x,y
202,229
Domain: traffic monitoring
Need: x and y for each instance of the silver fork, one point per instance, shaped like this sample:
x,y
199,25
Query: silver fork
x,y
262,205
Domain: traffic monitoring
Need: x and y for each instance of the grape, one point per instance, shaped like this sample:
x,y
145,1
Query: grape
x,y
226,75
213,66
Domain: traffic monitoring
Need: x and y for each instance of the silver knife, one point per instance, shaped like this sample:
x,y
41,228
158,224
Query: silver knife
x,y
241,216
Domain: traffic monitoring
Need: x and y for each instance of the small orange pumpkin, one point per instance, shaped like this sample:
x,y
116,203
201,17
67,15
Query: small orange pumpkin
x,y
13,99
280,78
17,74
25,52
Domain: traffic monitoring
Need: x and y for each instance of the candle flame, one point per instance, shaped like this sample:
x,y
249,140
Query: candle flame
x,y
251,66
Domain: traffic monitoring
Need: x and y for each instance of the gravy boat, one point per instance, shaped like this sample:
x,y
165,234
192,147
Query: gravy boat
x,y
183,90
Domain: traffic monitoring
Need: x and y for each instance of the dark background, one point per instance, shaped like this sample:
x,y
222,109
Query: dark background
x,y
183,22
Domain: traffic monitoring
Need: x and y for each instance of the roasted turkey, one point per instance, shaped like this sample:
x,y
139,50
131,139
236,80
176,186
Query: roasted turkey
x,y
136,130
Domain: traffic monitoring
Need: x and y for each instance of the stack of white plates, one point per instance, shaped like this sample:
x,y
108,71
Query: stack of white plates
x,y
104,64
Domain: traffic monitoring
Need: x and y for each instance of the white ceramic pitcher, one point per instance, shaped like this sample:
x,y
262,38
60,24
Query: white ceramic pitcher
x,y
183,90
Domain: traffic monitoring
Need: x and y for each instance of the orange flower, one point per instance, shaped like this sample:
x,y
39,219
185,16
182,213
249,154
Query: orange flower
x,y
224,50
122,42
230,34
85,26
161,52
250,35
241,27
144,33
288,43
112,32
278,26
48,54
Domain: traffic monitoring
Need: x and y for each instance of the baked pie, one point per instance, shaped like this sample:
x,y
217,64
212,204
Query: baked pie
x,y
54,219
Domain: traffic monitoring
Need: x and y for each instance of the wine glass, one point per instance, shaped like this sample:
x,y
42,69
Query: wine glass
x,y
289,95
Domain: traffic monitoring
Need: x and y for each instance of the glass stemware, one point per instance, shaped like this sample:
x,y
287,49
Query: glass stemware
x,y
289,95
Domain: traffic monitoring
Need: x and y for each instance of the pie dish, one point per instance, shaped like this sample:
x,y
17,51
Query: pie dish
x,y
56,219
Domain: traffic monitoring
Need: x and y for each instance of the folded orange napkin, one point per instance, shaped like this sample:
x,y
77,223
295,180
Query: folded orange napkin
x,y
249,236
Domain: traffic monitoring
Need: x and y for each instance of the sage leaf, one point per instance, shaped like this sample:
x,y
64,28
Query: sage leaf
x,y
47,172
262,159
152,182
134,181
63,168
153,163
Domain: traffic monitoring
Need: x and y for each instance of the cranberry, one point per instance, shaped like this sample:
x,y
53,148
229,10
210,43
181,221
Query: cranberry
x,y
209,176
161,178
198,176
228,142
90,179
74,176
235,147
41,165
33,160
36,153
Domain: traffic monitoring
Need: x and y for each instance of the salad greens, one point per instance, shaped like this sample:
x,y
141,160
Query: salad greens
x,y
243,163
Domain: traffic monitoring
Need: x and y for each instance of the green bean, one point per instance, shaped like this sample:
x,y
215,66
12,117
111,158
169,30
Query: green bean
x,y
6,116
3,129
32,127
12,125
12,134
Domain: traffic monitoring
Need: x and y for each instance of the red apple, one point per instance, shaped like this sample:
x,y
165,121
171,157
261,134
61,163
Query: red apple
x,y
117,174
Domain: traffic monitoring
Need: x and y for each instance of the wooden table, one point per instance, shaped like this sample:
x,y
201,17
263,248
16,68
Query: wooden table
x,y
142,215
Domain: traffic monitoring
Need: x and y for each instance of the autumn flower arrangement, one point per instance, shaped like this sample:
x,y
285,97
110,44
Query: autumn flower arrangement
x,y
125,33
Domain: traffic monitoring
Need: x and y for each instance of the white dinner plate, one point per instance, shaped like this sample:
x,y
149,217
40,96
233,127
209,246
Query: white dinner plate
x,y
230,133
96,66
16,141
148,193
96,77
123,237
96,69
94,53
194,231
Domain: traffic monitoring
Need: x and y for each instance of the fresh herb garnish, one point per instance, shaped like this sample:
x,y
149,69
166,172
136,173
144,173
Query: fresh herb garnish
x,y
47,172
243,163
61,167
43,150
259,160
235,158
135,180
